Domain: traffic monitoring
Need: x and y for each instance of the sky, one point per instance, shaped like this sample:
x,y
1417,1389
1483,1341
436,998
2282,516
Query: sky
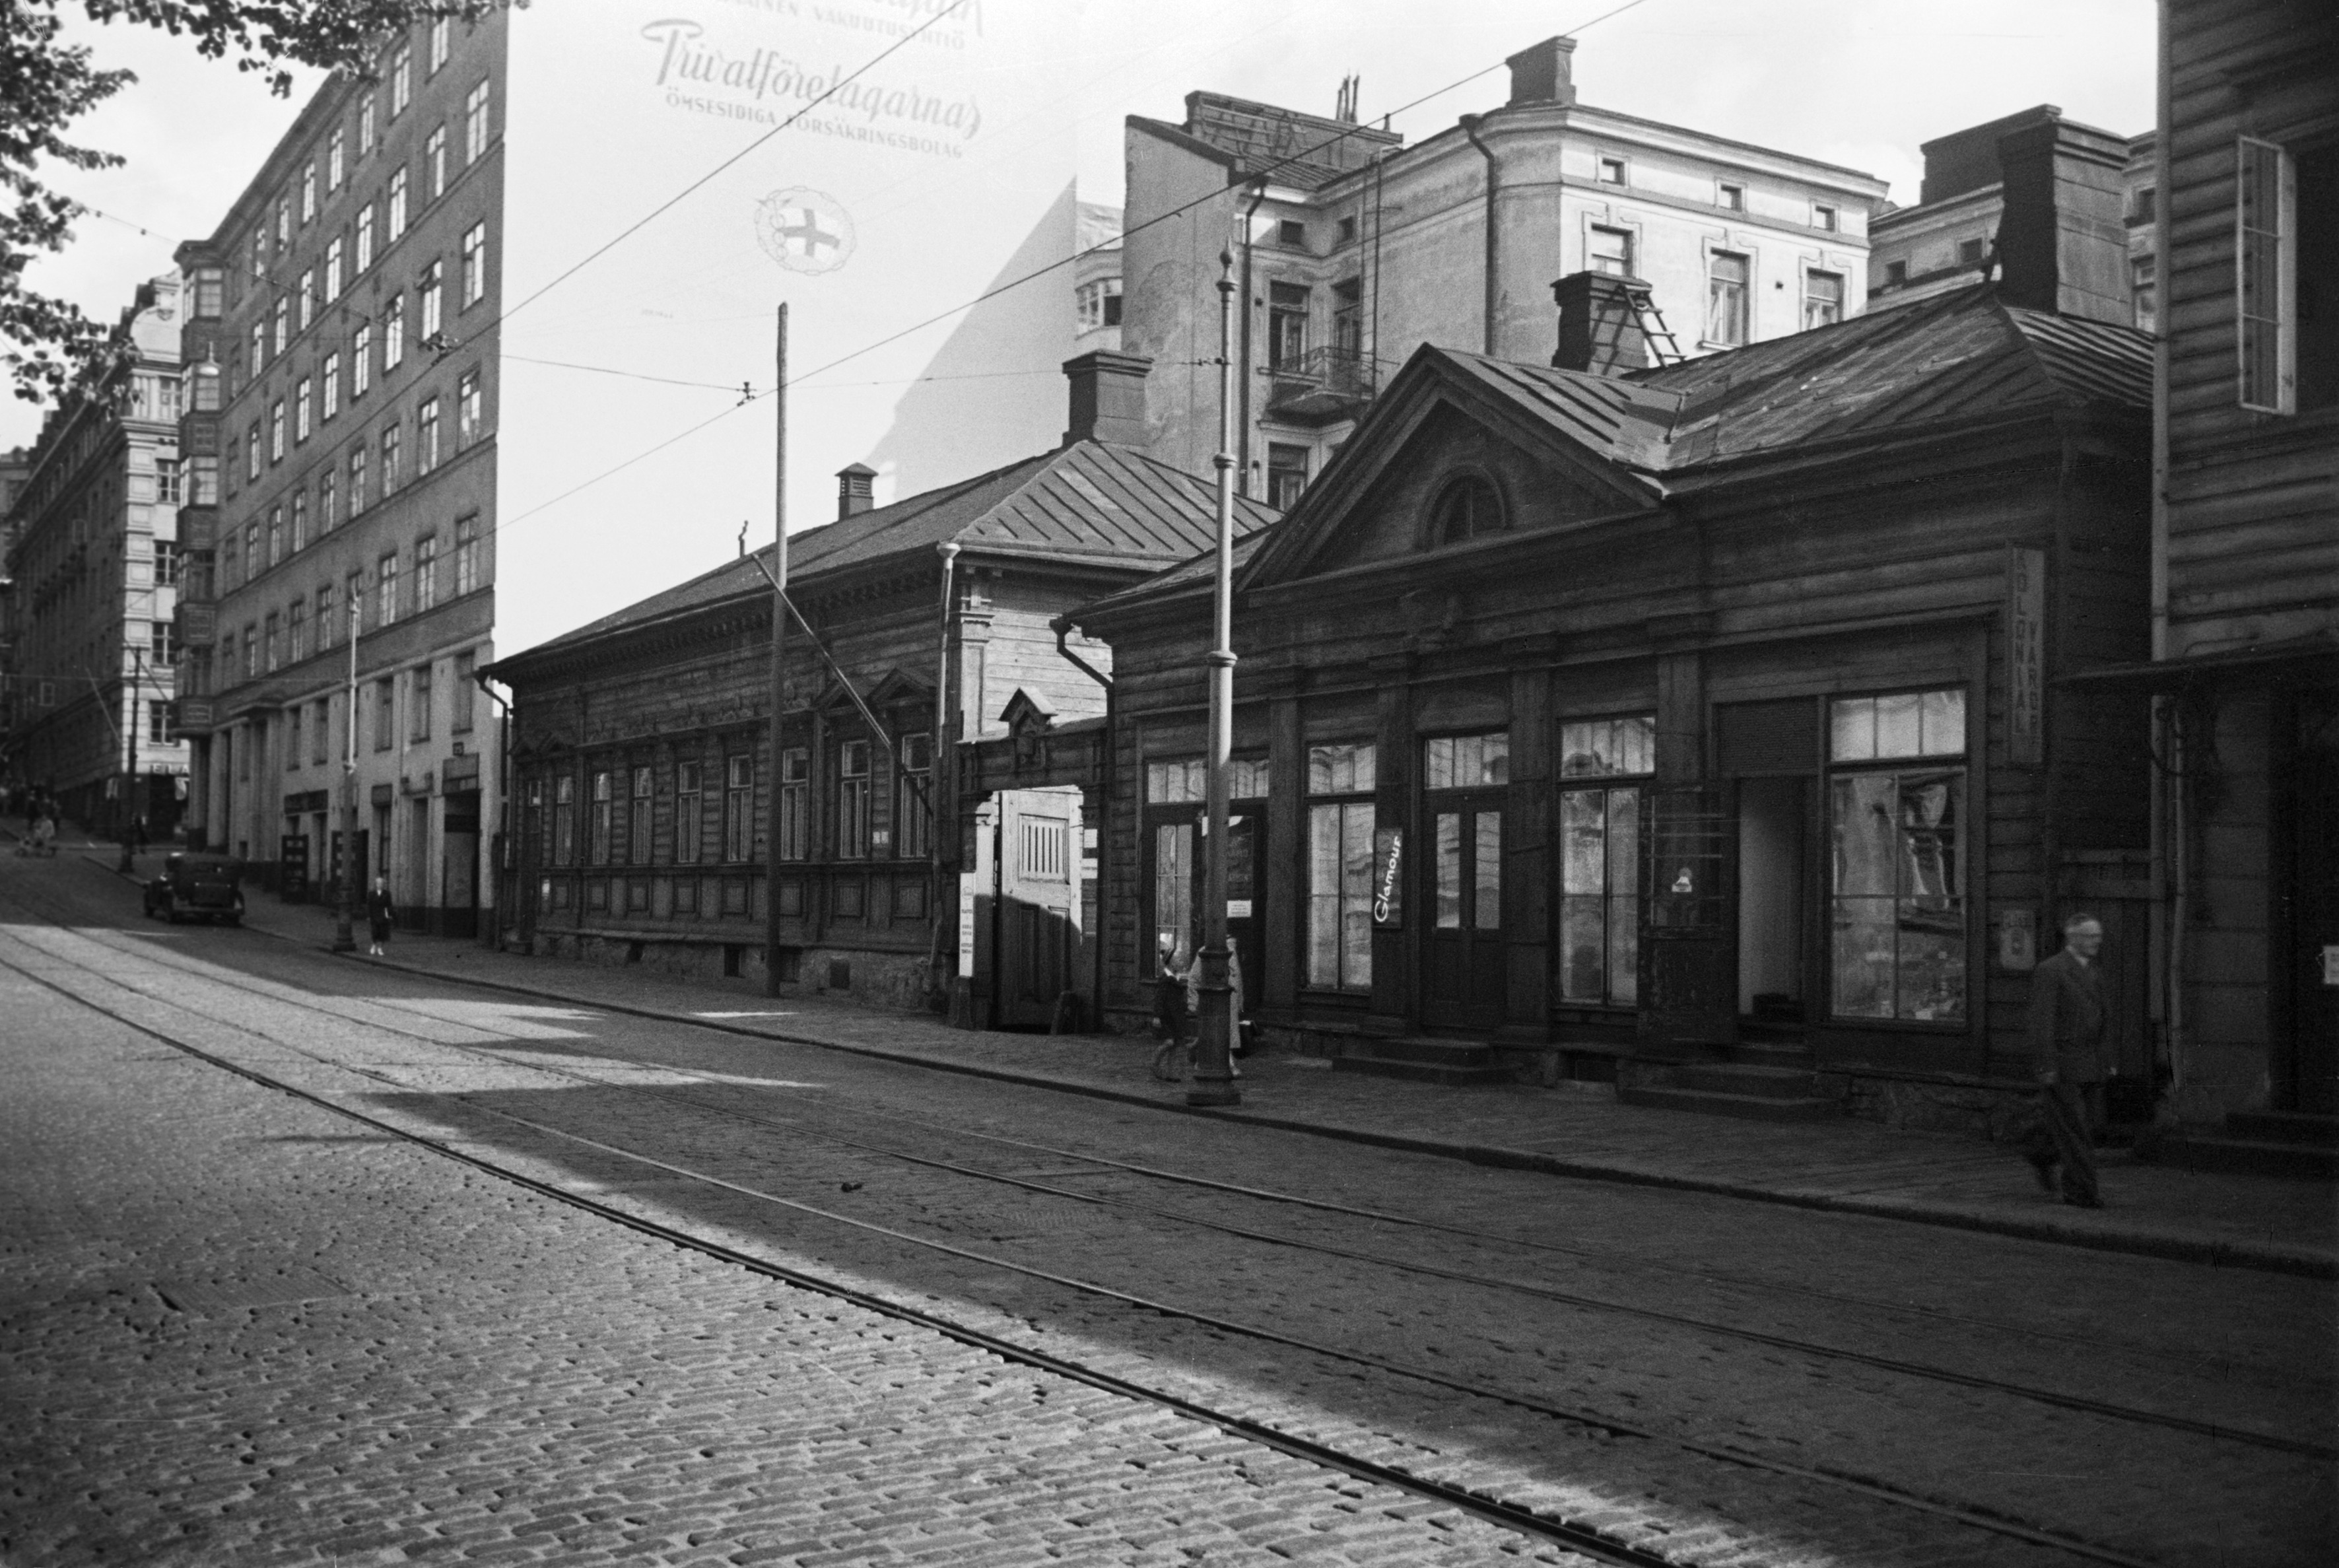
x,y
1858,83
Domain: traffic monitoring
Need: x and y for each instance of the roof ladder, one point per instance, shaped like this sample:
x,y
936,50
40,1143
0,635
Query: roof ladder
x,y
1662,350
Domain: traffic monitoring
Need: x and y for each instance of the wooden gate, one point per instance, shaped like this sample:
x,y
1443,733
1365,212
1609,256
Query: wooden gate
x,y
1039,906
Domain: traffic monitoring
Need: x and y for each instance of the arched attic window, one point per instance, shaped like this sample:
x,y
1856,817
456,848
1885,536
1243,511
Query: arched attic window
x,y
1468,508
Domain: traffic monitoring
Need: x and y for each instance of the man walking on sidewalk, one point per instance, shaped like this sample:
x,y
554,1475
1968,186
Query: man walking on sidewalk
x,y
2066,1045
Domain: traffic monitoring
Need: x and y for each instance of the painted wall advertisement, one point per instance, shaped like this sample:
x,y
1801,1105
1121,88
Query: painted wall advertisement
x,y
765,158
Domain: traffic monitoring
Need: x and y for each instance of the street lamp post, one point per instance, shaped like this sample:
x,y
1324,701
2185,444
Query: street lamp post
x,y
344,938
1213,1053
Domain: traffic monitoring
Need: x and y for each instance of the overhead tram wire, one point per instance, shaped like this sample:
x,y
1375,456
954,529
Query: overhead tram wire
x,y
667,205
1036,274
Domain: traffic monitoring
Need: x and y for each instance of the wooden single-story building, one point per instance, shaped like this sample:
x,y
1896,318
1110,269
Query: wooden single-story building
x,y
1693,727
642,756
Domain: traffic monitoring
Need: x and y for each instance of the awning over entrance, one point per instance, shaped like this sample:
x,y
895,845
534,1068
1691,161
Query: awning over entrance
x,y
2308,660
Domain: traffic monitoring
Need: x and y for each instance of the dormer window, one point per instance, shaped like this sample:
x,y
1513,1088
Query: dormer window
x,y
1466,509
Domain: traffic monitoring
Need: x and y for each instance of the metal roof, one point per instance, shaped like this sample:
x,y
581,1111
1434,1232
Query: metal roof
x,y
1092,502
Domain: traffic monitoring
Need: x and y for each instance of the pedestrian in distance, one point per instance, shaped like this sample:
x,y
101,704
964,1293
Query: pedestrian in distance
x,y
379,912
2068,1024
44,834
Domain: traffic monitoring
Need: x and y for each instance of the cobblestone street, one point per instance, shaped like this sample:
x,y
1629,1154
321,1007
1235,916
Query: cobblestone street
x,y
243,1328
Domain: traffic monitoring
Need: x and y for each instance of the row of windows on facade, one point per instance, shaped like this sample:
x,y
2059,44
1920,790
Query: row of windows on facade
x,y
1729,195
1898,913
338,501
396,331
313,734
281,638
855,827
1728,322
152,395
397,74
159,730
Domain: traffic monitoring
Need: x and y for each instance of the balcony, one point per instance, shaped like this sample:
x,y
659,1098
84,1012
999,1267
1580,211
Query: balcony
x,y
1320,387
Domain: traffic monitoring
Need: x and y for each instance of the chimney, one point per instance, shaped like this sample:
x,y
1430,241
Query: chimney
x,y
1108,398
1543,74
2062,239
852,496
1600,326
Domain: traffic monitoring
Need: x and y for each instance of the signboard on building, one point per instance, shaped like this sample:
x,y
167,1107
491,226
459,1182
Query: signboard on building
x,y
293,859
2026,656
1388,877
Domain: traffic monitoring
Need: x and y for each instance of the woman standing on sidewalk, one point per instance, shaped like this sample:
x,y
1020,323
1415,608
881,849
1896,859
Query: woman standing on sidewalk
x,y
379,912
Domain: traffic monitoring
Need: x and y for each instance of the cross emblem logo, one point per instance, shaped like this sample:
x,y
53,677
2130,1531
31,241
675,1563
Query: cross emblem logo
x,y
805,230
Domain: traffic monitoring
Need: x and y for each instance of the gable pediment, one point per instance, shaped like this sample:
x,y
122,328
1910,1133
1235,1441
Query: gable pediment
x,y
1379,501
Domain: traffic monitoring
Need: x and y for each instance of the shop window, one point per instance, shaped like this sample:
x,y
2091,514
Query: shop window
x,y
795,804
1896,813
1467,761
1186,781
852,800
1600,857
1466,509
1340,783
603,817
1177,791
914,832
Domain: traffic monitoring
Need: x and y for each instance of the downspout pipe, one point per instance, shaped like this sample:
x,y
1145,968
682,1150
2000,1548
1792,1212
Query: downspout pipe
x,y
1250,310
941,776
1470,124
1062,627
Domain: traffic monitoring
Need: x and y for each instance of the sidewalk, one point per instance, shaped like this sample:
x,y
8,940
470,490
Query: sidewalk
x,y
2254,1222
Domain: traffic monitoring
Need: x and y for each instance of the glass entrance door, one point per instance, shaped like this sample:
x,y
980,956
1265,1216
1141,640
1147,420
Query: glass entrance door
x,y
1466,909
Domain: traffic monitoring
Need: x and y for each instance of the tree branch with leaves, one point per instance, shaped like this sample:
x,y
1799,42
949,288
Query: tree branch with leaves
x,y
52,350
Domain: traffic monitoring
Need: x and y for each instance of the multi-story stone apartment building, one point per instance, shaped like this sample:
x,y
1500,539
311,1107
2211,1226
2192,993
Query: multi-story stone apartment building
x,y
343,350
1353,249
1949,237
368,432
93,572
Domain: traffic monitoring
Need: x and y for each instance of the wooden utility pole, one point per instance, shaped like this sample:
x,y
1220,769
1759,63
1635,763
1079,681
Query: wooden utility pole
x,y
779,655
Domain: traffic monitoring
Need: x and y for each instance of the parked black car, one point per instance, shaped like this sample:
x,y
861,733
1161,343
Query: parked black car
x,y
204,886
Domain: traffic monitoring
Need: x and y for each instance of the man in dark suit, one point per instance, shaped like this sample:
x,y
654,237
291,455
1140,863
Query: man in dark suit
x,y
2067,1046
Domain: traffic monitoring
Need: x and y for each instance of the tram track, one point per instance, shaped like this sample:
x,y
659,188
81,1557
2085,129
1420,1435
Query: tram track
x,y
2055,1398
1827,1475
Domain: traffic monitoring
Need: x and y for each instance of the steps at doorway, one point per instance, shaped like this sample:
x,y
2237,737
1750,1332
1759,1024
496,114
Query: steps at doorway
x,y
1420,1060
2261,1143
1749,1090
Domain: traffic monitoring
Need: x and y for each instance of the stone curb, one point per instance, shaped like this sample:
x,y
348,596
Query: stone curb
x,y
2267,1259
